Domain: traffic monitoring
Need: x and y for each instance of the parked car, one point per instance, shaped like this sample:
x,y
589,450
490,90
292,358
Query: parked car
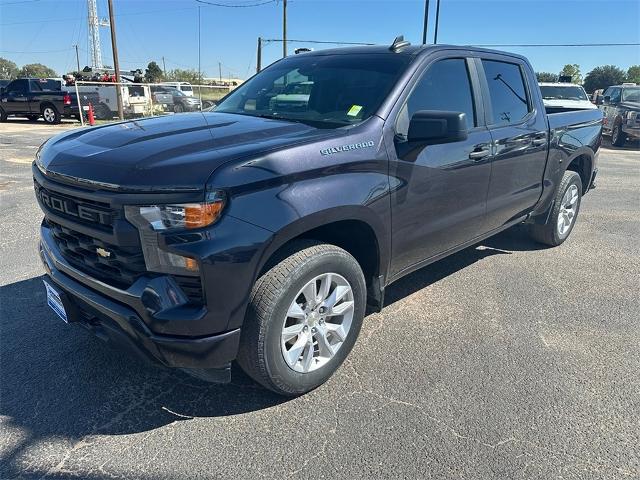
x,y
175,100
620,105
294,96
565,96
184,87
250,235
4,83
36,97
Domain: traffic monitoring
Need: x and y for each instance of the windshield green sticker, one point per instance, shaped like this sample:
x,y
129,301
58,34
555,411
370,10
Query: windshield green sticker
x,y
354,110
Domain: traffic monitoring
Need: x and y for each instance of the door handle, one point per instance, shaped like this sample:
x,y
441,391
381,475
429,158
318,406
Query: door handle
x,y
478,155
538,142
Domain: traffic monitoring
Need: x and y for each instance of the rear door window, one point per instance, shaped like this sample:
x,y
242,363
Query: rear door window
x,y
507,92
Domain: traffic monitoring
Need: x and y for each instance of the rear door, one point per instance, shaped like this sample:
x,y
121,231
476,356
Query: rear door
x,y
438,197
611,107
520,139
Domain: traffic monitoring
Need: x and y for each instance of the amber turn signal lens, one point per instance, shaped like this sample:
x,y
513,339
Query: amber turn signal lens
x,y
203,214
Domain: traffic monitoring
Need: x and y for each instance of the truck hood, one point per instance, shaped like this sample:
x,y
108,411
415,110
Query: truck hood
x,y
172,153
631,105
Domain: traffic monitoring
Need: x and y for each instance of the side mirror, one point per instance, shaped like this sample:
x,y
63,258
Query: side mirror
x,y
607,99
599,99
434,127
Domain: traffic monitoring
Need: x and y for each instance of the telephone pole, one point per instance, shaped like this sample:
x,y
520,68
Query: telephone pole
x,y
77,58
426,22
116,63
199,64
259,56
284,28
164,69
220,70
435,37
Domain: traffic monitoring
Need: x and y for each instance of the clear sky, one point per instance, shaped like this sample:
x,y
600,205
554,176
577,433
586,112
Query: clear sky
x,y
44,30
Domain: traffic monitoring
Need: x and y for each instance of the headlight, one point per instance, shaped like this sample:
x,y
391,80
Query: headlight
x,y
169,217
152,219
631,115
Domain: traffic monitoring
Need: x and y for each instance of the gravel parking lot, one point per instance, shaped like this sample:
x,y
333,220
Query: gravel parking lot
x,y
506,360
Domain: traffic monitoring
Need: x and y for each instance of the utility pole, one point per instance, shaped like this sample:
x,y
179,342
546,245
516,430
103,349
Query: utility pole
x,y
284,28
77,58
164,69
116,63
259,56
220,70
199,65
435,37
426,22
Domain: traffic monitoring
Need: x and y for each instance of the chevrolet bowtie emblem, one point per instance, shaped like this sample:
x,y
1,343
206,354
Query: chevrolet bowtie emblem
x,y
103,253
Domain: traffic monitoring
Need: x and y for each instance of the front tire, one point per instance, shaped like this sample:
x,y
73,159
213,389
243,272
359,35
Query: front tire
x,y
618,137
3,115
178,108
564,213
304,316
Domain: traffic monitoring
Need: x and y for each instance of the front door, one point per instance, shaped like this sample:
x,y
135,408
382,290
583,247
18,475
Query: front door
x,y
16,99
438,192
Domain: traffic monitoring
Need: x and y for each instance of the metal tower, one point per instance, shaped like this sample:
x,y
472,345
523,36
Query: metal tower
x,y
94,33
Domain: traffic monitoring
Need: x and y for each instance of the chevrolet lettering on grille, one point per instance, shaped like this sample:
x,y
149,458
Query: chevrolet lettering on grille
x,y
73,208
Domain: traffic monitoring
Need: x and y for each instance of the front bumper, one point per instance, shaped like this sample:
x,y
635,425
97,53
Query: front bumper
x,y
117,322
632,132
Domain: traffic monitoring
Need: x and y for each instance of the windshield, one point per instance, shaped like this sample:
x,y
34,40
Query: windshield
x,y
186,88
631,94
556,92
322,91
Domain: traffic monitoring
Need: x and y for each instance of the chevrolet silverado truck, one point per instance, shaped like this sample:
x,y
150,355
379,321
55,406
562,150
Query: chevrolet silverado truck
x,y
262,236
34,98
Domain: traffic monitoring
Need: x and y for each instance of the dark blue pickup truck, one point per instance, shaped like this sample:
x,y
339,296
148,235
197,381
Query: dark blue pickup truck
x,y
261,231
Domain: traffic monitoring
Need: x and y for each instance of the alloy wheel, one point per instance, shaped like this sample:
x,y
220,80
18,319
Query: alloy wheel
x,y
317,322
568,209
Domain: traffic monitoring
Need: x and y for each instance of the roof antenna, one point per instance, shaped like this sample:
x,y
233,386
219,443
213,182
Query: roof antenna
x,y
398,43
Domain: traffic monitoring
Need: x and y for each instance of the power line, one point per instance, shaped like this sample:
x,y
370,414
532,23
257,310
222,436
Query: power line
x,y
228,5
266,40
18,3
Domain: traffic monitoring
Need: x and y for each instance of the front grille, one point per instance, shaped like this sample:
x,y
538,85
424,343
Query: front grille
x,y
89,212
117,266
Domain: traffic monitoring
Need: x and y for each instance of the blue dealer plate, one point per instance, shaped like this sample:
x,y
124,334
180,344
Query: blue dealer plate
x,y
55,302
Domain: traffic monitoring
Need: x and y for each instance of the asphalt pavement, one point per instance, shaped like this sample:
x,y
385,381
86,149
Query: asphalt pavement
x,y
506,360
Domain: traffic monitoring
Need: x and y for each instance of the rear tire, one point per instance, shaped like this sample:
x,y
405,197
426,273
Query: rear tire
x,y
618,137
178,108
50,114
564,213
303,318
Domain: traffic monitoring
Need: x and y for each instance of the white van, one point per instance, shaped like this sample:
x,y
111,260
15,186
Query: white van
x,y
185,87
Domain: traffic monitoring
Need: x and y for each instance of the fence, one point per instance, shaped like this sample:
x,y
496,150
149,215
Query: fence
x,y
141,100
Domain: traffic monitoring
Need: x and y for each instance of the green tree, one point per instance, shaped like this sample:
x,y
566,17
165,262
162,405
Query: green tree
x,y
179,75
573,71
153,73
603,77
8,69
546,77
37,70
633,74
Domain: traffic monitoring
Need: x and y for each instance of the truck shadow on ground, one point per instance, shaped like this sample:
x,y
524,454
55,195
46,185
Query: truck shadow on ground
x,y
58,381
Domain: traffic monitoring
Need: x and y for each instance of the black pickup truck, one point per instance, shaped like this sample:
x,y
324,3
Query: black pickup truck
x,y
37,97
261,234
